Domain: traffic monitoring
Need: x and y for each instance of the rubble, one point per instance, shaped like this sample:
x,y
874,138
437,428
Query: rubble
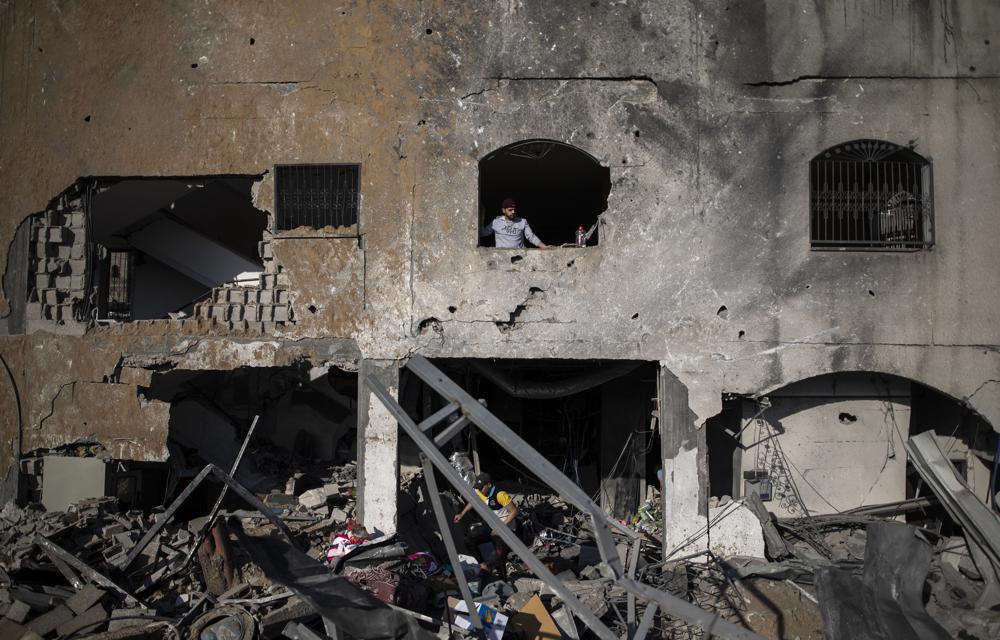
x,y
292,560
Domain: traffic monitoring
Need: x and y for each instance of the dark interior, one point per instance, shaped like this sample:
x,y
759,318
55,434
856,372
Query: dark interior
x,y
558,188
590,418
137,282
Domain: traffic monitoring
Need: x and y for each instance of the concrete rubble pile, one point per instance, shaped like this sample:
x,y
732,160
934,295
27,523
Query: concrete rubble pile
x,y
293,562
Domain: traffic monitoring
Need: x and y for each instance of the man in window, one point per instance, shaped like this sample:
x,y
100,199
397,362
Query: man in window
x,y
511,230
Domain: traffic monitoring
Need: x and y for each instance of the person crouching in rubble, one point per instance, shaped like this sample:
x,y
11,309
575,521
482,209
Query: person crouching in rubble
x,y
503,506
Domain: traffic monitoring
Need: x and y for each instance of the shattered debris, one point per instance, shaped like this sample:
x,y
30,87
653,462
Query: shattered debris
x,y
290,558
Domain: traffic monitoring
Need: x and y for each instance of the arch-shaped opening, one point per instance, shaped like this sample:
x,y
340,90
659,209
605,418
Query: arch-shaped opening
x,y
558,189
870,194
836,442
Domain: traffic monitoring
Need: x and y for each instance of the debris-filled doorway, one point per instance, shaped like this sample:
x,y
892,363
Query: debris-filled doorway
x,y
304,437
593,419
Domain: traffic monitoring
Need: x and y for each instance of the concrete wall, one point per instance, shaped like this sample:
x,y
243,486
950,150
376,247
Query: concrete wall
x,y
706,114
830,443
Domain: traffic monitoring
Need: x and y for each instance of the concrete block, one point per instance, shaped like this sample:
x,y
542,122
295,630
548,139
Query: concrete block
x,y
64,283
63,251
77,267
48,622
219,313
44,281
64,312
18,611
265,250
280,314
266,296
251,312
312,499
220,295
14,631
54,267
282,297
76,251
76,282
736,531
54,234
85,598
87,620
235,313
282,280
67,480
236,296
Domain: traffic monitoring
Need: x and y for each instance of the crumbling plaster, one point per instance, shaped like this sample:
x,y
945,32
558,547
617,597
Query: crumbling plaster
x,y
706,115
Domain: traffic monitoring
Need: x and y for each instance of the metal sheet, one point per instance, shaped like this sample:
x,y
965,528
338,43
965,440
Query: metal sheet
x,y
887,601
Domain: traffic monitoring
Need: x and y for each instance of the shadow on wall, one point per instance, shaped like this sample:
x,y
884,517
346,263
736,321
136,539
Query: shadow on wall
x,y
837,442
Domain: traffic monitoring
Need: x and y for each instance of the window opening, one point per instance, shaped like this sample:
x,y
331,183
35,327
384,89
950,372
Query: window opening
x,y
316,195
557,188
159,246
119,297
870,194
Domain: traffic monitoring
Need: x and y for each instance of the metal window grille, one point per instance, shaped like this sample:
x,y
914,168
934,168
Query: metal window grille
x,y
870,194
120,269
316,195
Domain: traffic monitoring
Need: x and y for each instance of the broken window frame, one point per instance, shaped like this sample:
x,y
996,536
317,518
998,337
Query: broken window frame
x,y
341,219
891,210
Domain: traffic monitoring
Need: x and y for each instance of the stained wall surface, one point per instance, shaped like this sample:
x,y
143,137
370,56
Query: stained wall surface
x,y
705,114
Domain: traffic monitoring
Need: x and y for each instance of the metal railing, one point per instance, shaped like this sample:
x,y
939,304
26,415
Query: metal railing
x,y
863,204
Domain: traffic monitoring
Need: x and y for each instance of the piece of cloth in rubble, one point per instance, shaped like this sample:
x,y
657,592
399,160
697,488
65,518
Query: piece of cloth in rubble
x,y
358,613
497,501
510,234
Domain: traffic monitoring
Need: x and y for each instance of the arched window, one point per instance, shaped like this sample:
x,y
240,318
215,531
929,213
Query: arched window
x,y
558,189
870,194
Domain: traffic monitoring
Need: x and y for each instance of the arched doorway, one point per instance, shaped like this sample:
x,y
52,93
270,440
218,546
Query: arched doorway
x,y
558,188
836,442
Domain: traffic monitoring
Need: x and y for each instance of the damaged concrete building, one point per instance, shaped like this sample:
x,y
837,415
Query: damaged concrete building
x,y
221,210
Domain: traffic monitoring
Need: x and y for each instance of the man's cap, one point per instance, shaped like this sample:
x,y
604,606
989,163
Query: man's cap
x,y
508,202
482,480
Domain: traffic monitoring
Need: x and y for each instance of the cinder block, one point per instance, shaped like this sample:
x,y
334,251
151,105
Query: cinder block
x,y
85,598
237,296
77,266
18,611
64,283
220,295
235,313
54,234
280,314
251,312
282,297
50,297
76,282
266,296
219,312
76,251
265,250
282,280
64,312
63,251
48,622
44,281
